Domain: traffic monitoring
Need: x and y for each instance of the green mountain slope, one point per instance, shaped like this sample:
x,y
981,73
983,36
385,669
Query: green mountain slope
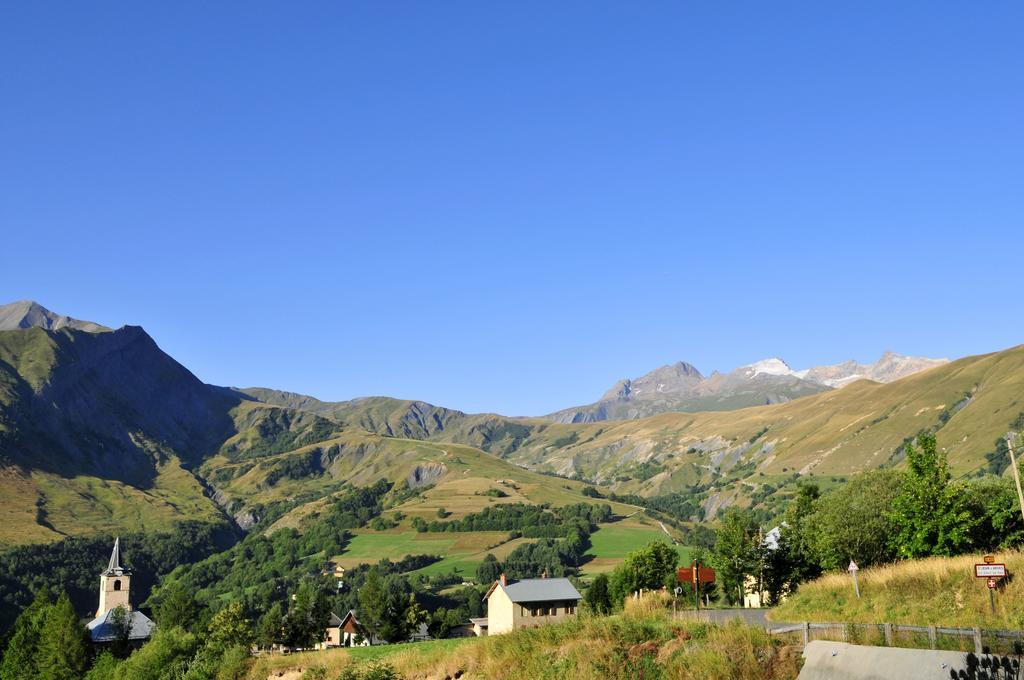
x,y
729,456
104,432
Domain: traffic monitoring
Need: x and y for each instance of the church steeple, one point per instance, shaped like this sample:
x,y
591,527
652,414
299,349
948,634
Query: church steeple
x,y
114,567
114,583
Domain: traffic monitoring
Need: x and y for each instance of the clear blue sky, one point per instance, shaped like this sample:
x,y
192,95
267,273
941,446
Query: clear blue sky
x,y
508,206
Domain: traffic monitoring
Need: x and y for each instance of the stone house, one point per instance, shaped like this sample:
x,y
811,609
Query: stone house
x,y
528,603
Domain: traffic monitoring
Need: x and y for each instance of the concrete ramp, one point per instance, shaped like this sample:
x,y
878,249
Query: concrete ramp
x,y
842,661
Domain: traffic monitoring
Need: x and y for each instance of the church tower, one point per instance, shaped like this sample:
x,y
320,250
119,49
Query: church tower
x,y
114,583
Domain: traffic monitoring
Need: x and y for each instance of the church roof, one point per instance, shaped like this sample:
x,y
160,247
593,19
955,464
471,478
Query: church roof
x,y
114,567
102,628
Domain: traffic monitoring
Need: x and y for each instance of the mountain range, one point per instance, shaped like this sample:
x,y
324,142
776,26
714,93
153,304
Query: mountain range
x,y
681,387
100,430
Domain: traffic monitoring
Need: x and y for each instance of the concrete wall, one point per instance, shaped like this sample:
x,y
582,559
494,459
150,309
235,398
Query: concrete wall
x,y
842,661
558,612
500,612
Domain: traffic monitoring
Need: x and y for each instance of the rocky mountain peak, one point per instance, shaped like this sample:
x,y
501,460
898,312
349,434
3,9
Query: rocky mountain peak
x,y
30,314
772,366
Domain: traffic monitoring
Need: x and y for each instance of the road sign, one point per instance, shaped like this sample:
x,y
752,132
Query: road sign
x,y
990,570
992,582
989,559
690,574
853,569
853,566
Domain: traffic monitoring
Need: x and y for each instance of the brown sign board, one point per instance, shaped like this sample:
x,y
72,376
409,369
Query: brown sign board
x,y
686,575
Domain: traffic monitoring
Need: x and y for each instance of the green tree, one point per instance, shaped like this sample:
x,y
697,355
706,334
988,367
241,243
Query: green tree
x,y
649,568
489,570
307,616
168,654
121,623
21,657
63,645
229,628
177,607
234,664
930,513
598,598
104,667
271,627
792,561
994,503
373,606
737,552
388,609
853,521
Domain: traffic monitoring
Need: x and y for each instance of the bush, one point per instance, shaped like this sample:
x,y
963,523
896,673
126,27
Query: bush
x,y
315,673
378,671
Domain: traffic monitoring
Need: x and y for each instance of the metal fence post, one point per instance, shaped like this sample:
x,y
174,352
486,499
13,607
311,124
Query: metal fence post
x,y
807,632
932,637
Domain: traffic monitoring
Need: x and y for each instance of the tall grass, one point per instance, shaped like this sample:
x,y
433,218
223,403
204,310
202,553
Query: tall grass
x,y
939,591
636,644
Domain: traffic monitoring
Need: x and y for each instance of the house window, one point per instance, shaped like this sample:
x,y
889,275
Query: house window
x,y
569,609
117,584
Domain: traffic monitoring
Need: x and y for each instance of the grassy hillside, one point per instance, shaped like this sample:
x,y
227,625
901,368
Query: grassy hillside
x,y
732,455
645,645
105,432
935,591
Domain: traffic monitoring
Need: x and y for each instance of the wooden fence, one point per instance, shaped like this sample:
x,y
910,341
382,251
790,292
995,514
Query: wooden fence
x,y
980,641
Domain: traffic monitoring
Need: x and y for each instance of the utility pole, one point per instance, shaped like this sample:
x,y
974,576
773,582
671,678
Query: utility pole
x,y
1016,473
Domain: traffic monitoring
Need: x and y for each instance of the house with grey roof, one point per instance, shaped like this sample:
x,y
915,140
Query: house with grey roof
x,y
115,597
528,603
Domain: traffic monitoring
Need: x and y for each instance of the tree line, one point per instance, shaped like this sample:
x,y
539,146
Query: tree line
x,y
877,517
529,521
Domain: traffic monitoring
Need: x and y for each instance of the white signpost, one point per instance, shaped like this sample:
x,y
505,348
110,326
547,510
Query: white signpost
x,y
853,569
990,570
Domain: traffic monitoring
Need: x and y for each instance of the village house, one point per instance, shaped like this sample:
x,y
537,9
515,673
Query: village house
x,y
345,632
335,571
528,603
115,591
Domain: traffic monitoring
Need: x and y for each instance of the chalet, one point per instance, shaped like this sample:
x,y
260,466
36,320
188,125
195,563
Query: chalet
x,y
115,593
335,571
528,603
345,632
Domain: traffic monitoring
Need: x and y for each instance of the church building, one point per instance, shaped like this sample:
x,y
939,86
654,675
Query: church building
x,y
115,591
